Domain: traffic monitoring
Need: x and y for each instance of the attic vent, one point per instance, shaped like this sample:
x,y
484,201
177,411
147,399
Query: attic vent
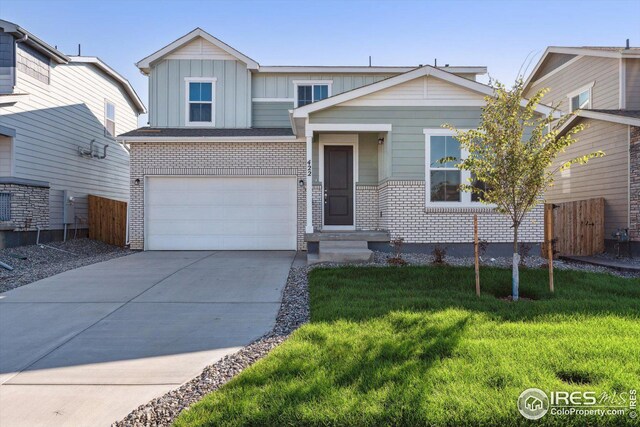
x,y
5,206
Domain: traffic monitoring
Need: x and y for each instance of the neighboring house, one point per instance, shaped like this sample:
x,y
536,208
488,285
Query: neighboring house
x,y
244,156
54,109
602,84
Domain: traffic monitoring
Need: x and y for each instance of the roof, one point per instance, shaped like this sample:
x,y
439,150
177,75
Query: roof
x,y
206,134
625,117
361,69
145,63
34,42
426,70
102,66
579,51
623,113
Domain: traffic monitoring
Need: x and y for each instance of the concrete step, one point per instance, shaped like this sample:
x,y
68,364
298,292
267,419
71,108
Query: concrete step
x,y
341,252
342,244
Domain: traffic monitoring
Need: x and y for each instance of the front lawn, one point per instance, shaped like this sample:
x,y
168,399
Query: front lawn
x,y
414,346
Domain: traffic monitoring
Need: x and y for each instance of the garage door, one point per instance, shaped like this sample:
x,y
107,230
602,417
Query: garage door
x,y
220,213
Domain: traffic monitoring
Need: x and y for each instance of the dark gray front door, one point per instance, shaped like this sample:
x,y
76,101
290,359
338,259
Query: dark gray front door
x,y
338,185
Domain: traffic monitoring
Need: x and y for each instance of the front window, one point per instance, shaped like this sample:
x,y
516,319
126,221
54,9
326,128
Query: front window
x,y
200,109
307,92
443,178
109,118
581,100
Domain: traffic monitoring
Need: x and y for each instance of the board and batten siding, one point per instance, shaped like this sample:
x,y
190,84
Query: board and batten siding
x,y
605,72
632,74
404,148
58,118
606,177
167,97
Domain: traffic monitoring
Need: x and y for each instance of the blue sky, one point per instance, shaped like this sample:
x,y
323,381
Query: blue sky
x,y
497,34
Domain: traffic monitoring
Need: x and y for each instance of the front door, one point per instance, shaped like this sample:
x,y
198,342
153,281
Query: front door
x,y
338,185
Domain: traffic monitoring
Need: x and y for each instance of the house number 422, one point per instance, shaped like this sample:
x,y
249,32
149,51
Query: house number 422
x,y
308,167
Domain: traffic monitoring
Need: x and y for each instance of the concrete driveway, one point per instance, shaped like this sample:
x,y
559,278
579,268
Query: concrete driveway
x,y
87,346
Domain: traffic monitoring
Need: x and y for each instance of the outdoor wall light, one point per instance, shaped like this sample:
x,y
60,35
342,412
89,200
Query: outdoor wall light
x,y
301,183
137,181
380,141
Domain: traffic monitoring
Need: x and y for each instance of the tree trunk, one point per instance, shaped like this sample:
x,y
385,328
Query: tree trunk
x,y
515,276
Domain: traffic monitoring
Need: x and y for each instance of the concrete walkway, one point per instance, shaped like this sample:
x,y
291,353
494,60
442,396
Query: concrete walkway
x,y
87,346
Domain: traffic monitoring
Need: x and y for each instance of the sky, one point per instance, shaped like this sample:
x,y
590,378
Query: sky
x,y
504,35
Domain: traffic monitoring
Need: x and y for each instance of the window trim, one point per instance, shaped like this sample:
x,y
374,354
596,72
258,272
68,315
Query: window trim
x,y
211,80
578,92
465,196
106,119
296,83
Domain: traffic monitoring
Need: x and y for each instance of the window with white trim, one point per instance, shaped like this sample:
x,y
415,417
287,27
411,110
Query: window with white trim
x,y
443,179
580,98
200,101
306,92
109,118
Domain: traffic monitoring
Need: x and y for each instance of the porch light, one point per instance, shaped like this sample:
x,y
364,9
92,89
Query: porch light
x,y
301,183
380,141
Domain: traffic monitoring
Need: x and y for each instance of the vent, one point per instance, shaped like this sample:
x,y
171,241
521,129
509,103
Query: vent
x,y
5,206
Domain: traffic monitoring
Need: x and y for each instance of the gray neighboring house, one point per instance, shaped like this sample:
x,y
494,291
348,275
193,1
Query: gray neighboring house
x,y
57,115
239,155
602,85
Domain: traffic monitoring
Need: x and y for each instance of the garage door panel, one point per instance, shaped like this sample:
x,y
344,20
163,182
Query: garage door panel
x,y
225,213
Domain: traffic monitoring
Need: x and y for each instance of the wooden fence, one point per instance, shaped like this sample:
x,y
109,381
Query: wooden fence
x,y
577,227
108,220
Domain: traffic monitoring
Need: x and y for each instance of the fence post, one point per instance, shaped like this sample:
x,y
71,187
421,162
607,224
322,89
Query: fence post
x,y
549,239
475,251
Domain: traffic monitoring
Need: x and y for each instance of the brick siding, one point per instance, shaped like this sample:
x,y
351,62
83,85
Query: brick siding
x,y
29,207
211,159
634,183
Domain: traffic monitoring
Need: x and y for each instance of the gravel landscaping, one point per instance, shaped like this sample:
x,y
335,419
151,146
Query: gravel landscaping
x,y
34,262
293,313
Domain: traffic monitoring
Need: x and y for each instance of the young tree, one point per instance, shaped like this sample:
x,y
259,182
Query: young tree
x,y
510,155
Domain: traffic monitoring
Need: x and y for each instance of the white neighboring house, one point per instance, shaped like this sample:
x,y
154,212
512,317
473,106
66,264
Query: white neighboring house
x,y
57,115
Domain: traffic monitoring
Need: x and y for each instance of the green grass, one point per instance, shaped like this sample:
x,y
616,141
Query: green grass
x,y
414,346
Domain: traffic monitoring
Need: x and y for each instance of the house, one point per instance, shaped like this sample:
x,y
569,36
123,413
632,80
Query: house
x,y
59,115
602,85
238,155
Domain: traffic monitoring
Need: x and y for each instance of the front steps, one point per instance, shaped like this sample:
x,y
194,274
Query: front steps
x,y
341,251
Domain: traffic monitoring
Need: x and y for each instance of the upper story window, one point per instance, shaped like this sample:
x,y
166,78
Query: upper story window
x,y
200,101
580,98
443,180
33,63
308,91
6,55
109,118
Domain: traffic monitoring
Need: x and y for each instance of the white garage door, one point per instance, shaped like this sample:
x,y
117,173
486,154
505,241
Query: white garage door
x,y
223,213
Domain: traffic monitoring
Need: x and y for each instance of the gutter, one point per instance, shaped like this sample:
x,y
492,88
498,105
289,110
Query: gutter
x,y
129,139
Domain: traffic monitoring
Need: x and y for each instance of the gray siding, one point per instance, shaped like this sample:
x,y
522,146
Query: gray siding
x,y
632,73
5,156
604,71
167,91
552,62
404,148
274,85
271,114
7,62
606,177
56,119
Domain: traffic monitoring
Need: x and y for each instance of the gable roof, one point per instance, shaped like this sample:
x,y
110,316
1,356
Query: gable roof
x,y
579,51
145,63
34,42
129,90
427,70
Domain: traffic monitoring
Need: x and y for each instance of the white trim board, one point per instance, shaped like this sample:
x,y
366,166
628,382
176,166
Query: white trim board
x,y
351,127
145,64
292,100
338,139
362,69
